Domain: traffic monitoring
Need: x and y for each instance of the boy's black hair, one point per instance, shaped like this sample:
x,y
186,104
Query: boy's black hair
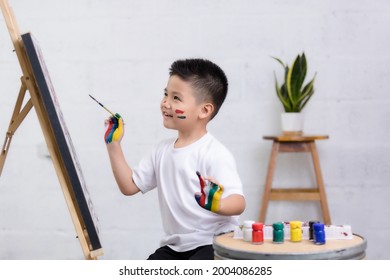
x,y
207,78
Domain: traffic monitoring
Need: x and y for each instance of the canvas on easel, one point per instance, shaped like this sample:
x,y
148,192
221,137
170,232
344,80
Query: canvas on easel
x,y
36,80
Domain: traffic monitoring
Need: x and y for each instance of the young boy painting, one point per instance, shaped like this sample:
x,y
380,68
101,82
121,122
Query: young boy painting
x,y
199,190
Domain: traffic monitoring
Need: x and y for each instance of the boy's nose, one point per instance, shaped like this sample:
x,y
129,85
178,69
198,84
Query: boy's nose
x,y
165,104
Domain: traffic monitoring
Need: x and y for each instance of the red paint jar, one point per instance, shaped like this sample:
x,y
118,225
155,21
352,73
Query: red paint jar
x,y
257,233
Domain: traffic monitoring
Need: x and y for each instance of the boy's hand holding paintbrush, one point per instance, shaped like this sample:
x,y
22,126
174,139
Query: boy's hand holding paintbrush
x,y
115,129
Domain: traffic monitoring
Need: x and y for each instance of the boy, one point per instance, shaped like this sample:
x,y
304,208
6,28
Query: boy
x,y
193,208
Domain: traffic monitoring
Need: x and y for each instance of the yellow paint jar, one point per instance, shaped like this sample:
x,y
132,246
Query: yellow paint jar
x,y
295,231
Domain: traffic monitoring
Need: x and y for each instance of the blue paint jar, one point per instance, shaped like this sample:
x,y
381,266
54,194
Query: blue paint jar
x,y
311,231
319,233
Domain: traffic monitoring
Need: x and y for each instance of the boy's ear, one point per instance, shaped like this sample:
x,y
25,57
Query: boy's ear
x,y
206,110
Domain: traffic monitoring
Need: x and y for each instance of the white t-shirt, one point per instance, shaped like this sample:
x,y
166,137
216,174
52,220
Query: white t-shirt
x,y
173,172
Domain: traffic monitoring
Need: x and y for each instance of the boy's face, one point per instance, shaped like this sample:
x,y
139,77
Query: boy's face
x,y
179,106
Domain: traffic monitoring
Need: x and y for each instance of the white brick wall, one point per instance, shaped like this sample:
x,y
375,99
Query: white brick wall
x,y
120,51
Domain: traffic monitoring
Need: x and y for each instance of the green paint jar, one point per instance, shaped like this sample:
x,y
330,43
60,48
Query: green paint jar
x,y
278,233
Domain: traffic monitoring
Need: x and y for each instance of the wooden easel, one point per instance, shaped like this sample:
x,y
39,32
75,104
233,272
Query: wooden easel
x,y
28,82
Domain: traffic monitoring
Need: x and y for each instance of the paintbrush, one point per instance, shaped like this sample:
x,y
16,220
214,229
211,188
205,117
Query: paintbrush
x,y
103,106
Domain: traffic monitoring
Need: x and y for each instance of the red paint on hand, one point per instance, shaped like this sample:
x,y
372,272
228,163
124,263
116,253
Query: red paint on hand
x,y
202,183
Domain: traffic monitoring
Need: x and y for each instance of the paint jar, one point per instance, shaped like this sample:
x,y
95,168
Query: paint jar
x,y
311,223
296,231
257,233
278,233
319,234
247,232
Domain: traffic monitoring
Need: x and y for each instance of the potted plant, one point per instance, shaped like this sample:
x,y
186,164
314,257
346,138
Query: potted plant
x,y
293,94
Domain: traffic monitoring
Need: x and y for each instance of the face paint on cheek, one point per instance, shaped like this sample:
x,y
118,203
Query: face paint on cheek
x,y
177,111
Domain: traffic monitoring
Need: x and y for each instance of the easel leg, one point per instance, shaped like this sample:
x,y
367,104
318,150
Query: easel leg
x,y
320,184
17,117
268,181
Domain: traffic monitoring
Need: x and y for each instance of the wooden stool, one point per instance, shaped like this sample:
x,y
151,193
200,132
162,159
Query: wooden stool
x,y
295,144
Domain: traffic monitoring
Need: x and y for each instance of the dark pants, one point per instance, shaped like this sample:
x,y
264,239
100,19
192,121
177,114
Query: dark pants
x,y
201,253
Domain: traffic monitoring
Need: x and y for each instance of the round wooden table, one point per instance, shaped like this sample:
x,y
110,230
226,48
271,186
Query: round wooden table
x,y
227,248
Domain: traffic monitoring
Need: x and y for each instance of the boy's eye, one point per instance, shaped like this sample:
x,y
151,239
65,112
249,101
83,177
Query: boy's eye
x,y
176,98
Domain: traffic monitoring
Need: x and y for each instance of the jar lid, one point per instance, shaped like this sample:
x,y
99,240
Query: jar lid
x,y
318,226
311,223
295,224
278,225
257,226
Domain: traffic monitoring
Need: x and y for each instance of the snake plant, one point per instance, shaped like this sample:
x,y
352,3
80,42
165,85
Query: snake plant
x,y
293,95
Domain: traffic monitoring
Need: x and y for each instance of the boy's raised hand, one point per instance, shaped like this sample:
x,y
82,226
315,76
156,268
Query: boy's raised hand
x,y
210,196
114,130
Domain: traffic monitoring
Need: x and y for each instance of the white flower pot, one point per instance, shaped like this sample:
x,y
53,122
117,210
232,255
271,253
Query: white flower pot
x,y
292,123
